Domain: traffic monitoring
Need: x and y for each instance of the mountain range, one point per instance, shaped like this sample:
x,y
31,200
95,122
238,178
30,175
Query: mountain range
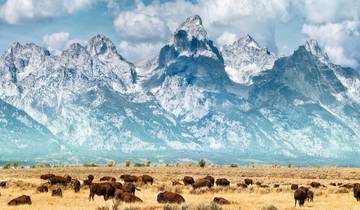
x,y
238,103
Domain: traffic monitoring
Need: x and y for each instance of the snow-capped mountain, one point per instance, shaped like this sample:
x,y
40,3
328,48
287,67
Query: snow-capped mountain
x,y
245,59
186,103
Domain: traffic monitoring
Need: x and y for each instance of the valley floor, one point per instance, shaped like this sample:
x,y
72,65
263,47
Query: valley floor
x,y
25,181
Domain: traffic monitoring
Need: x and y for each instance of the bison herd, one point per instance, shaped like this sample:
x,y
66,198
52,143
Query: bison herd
x,y
109,188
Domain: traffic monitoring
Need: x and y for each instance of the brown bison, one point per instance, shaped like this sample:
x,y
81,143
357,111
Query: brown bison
x,y
315,184
222,182
221,201
276,185
108,179
248,181
347,186
24,199
294,186
170,197
117,185
332,184
59,180
310,196
42,188
91,177
129,178
211,179
101,189
57,192
356,191
301,194
202,183
129,187
188,180
46,176
147,179
242,185
3,184
126,197
76,185
89,180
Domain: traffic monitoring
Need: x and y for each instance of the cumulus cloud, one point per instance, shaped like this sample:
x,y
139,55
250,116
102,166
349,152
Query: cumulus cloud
x,y
56,42
16,11
226,38
137,52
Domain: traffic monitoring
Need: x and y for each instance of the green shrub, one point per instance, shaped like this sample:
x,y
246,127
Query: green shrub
x,y
139,165
111,163
127,163
202,163
233,165
147,163
89,165
7,166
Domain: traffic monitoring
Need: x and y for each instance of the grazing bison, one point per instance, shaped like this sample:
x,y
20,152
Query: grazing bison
x,y
294,187
59,180
242,185
3,184
146,179
310,196
347,186
76,185
174,183
188,180
126,197
101,189
24,199
301,194
315,184
170,197
222,182
248,181
57,192
108,179
42,188
129,178
211,179
356,191
202,183
117,185
333,184
276,185
46,176
129,187
221,201
258,183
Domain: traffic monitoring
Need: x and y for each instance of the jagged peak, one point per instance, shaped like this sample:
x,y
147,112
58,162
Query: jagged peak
x,y
193,27
313,47
100,44
16,47
246,41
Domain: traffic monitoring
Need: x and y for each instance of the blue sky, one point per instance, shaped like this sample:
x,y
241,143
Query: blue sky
x,y
140,27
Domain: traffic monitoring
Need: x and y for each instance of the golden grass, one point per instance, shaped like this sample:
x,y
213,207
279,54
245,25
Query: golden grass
x,y
24,181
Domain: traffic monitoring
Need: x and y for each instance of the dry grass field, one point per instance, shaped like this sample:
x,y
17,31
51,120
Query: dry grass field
x,y
25,181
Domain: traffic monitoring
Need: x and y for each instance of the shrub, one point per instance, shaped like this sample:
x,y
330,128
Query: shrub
x,y
127,163
89,165
211,206
139,164
7,166
233,165
16,165
147,163
111,163
202,163
271,207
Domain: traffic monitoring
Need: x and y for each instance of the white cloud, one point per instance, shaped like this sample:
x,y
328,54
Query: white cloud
x,y
56,41
226,38
140,26
16,11
137,52
341,41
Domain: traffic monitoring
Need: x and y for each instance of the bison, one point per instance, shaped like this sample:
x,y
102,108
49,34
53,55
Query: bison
x,y
59,180
129,187
24,199
211,179
117,185
42,188
356,191
242,185
248,181
315,184
146,179
170,197
310,196
126,197
46,176
108,179
294,186
188,180
76,185
222,182
129,178
202,183
221,201
57,192
101,189
301,194
3,184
